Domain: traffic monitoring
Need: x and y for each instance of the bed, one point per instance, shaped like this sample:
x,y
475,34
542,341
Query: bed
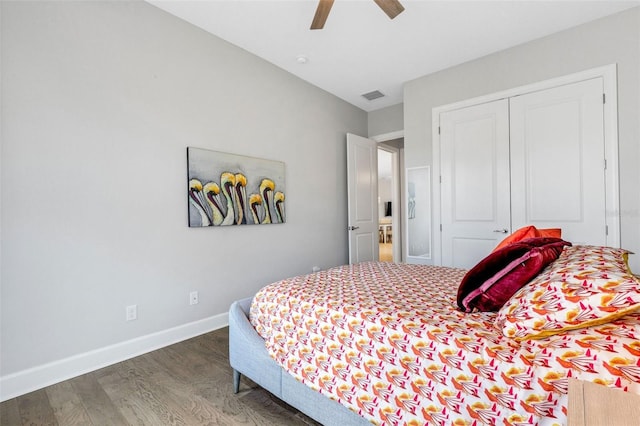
x,y
387,343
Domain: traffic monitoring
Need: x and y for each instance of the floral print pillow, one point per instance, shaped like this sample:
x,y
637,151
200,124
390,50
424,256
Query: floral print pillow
x,y
585,286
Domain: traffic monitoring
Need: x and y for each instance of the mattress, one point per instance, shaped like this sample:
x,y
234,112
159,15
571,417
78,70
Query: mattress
x,y
387,341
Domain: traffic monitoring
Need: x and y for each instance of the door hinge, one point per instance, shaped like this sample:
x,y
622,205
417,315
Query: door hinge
x,y
440,178
606,230
604,98
438,129
605,164
440,227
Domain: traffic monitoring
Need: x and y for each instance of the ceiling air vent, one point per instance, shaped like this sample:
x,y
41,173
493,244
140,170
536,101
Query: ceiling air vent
x,y
373,95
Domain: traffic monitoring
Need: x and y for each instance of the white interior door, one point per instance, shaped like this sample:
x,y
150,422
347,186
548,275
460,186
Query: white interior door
x,y
362,194
557,160
475,188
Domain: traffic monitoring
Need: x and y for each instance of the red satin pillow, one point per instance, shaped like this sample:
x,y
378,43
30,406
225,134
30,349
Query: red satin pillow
x,y
529,232
497,277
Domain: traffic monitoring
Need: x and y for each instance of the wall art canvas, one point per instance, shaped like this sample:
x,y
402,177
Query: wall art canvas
x,y
227,189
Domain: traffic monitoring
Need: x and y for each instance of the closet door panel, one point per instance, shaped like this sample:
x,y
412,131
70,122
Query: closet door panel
x,y
557,161
552,163
474,182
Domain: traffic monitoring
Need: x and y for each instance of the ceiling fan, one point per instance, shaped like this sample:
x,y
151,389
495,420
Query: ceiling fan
x,y
391,7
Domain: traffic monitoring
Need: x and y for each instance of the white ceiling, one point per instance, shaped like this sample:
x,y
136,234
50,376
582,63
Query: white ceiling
x,y
360,49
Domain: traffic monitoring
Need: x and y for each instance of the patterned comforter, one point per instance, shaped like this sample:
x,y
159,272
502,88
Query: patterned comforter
x,y
386,340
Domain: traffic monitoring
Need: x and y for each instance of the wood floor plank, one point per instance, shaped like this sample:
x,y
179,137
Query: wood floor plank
x,y
97,403
154,389
120,383
187,365
9,413
200,410
66,404
272,410
35,409
177,390
148,391
189,383
181,372
214,383
217,342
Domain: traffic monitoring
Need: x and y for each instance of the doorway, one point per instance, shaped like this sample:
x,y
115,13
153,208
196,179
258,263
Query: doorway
x,y
365,208
389,199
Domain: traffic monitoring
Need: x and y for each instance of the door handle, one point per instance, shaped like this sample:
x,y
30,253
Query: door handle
x,y
502,231
353,228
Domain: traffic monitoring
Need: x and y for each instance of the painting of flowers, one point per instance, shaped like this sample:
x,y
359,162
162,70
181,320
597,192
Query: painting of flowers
x,y
227,189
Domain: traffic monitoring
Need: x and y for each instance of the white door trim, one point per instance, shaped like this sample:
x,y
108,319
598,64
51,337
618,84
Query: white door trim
x,y
610,84
398,199
388,136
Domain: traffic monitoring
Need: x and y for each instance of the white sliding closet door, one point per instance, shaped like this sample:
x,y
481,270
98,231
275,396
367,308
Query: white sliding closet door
x,y
557,161
475,210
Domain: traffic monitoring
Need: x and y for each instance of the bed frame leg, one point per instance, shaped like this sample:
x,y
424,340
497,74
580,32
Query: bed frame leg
x,y
236,381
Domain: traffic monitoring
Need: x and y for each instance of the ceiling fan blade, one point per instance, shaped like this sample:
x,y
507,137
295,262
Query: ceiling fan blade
x,y
322,12
392,8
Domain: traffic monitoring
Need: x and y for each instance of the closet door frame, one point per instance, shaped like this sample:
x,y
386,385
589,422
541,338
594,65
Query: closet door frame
x,y
608,73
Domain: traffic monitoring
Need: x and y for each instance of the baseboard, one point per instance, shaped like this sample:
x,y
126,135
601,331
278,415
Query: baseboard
x,y
35,378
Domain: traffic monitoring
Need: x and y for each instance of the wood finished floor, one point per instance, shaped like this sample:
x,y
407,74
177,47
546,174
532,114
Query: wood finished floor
x,y
188,383
386,254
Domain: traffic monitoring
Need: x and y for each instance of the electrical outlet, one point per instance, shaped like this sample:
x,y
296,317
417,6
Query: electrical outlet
x,y
315,269
132,312
193,298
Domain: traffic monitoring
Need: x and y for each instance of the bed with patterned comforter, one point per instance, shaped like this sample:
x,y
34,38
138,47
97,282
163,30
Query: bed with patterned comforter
x,y
387,341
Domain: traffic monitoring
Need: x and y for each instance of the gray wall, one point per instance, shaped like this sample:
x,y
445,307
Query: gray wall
x,y
99,102
614,39
386,120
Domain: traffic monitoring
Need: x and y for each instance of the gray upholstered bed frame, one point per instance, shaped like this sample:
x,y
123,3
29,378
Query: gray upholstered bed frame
x,y
248,355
